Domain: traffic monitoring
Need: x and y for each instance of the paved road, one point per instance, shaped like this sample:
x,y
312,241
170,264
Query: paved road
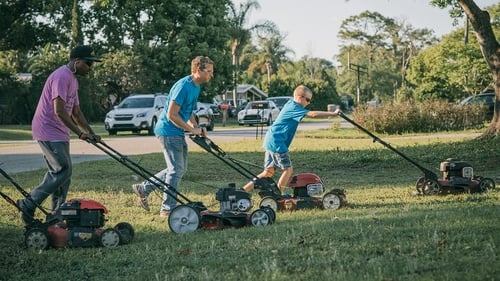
x,y
19,156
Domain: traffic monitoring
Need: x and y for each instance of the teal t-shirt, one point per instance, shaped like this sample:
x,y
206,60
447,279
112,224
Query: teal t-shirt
x,y
184,93
280,135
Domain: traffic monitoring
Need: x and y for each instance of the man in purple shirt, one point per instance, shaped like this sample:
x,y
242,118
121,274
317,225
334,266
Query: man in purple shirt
x,y
58,113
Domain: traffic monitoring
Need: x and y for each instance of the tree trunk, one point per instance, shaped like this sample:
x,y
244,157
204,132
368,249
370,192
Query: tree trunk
x,y
234,51
490,48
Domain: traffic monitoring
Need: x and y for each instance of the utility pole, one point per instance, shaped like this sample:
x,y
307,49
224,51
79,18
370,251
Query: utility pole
x,y
359,70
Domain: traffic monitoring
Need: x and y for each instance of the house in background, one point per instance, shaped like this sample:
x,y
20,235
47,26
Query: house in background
x,y
244,93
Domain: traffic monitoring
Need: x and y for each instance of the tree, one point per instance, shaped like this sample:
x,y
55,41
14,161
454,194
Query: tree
x,y
241,35
380,48
263,62
449,69
490,48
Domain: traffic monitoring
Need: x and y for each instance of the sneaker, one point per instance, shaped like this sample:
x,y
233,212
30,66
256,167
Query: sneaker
x,y
27,215
143,199
164,214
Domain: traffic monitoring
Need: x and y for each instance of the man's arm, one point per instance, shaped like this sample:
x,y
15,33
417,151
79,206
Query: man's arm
x,y
173,115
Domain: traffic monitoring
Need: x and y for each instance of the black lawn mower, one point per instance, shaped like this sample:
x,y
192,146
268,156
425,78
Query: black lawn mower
x,y
78,223
458,176
189,215
308,189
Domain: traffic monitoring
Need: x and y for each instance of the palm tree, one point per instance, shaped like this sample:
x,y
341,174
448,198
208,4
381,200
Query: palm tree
x,y
241,35
271,55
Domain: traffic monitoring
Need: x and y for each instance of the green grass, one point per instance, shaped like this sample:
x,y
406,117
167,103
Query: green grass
x,y
385,233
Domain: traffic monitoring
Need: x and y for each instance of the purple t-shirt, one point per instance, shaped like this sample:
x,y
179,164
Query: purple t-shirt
x,y
46,126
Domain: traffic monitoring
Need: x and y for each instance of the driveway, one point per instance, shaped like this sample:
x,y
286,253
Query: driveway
x,y
20,156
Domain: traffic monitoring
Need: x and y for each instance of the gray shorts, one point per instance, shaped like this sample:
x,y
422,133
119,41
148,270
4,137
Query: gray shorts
x,y
280,160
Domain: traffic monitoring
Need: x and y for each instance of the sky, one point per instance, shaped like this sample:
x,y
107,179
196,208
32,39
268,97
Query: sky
x,y
311,26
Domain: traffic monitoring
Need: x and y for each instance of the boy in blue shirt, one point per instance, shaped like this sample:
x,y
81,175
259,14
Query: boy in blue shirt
x,y
281,133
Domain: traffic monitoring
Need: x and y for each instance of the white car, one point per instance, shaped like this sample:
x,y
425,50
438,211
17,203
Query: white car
x,y
259,113
204,115
135,113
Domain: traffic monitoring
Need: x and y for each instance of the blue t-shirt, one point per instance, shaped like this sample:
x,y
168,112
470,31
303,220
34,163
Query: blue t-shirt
x,y
184,93
280,135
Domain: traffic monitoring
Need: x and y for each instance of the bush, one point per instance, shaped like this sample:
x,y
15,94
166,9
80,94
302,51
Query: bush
x,y
426,117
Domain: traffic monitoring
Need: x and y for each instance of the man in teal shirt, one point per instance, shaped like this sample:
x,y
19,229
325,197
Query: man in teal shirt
x,y
176,119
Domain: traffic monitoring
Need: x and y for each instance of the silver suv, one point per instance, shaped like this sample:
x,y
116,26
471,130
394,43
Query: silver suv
x,y
135,113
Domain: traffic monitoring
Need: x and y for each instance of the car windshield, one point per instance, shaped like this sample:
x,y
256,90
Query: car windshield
x,y
257,105
137,103
280,102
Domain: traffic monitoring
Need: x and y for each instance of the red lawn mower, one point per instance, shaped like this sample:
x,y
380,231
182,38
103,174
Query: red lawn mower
x,y
78,223
308,189
458,176
189,215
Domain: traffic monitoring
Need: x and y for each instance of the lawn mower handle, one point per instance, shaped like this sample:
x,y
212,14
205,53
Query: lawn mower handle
x,y
22,191
135,167
427,173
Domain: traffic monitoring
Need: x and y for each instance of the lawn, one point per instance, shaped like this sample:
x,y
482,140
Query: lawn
x,y
385,232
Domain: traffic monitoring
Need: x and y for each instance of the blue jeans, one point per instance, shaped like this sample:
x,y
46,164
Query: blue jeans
x,y
175,151
58,177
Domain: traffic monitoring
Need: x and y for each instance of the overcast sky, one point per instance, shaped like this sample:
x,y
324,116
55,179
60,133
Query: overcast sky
x,y
311,26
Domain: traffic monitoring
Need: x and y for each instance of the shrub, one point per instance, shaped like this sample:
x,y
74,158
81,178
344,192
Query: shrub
x,y
426,117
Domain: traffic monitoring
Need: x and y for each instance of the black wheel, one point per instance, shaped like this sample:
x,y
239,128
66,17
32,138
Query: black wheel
x,y
112,132
270,212
486,184
331,201
431,187
269,202
126,232
184,219
151,130
36,238
420,185
109,238
260,218
244,205
211,125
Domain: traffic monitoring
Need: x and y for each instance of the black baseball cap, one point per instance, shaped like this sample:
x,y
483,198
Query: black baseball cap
x,y
83,52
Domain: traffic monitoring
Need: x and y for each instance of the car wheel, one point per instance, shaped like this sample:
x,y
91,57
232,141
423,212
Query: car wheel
x,y
112,132
211,125
151,130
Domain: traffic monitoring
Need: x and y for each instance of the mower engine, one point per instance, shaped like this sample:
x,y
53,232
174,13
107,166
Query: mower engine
x,y
306,185
82,218
457,172
232,199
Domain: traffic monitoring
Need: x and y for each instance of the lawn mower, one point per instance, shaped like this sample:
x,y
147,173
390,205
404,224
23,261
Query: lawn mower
x,y
307,187
189,215
458,176
77,223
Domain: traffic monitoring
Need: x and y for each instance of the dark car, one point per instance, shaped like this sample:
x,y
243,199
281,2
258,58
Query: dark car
x,y
280,101
486,99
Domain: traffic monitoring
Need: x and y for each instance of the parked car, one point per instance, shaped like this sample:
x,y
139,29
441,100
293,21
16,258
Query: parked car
x,y
233,110
486,99
258,112
135,113
280,101
204,115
